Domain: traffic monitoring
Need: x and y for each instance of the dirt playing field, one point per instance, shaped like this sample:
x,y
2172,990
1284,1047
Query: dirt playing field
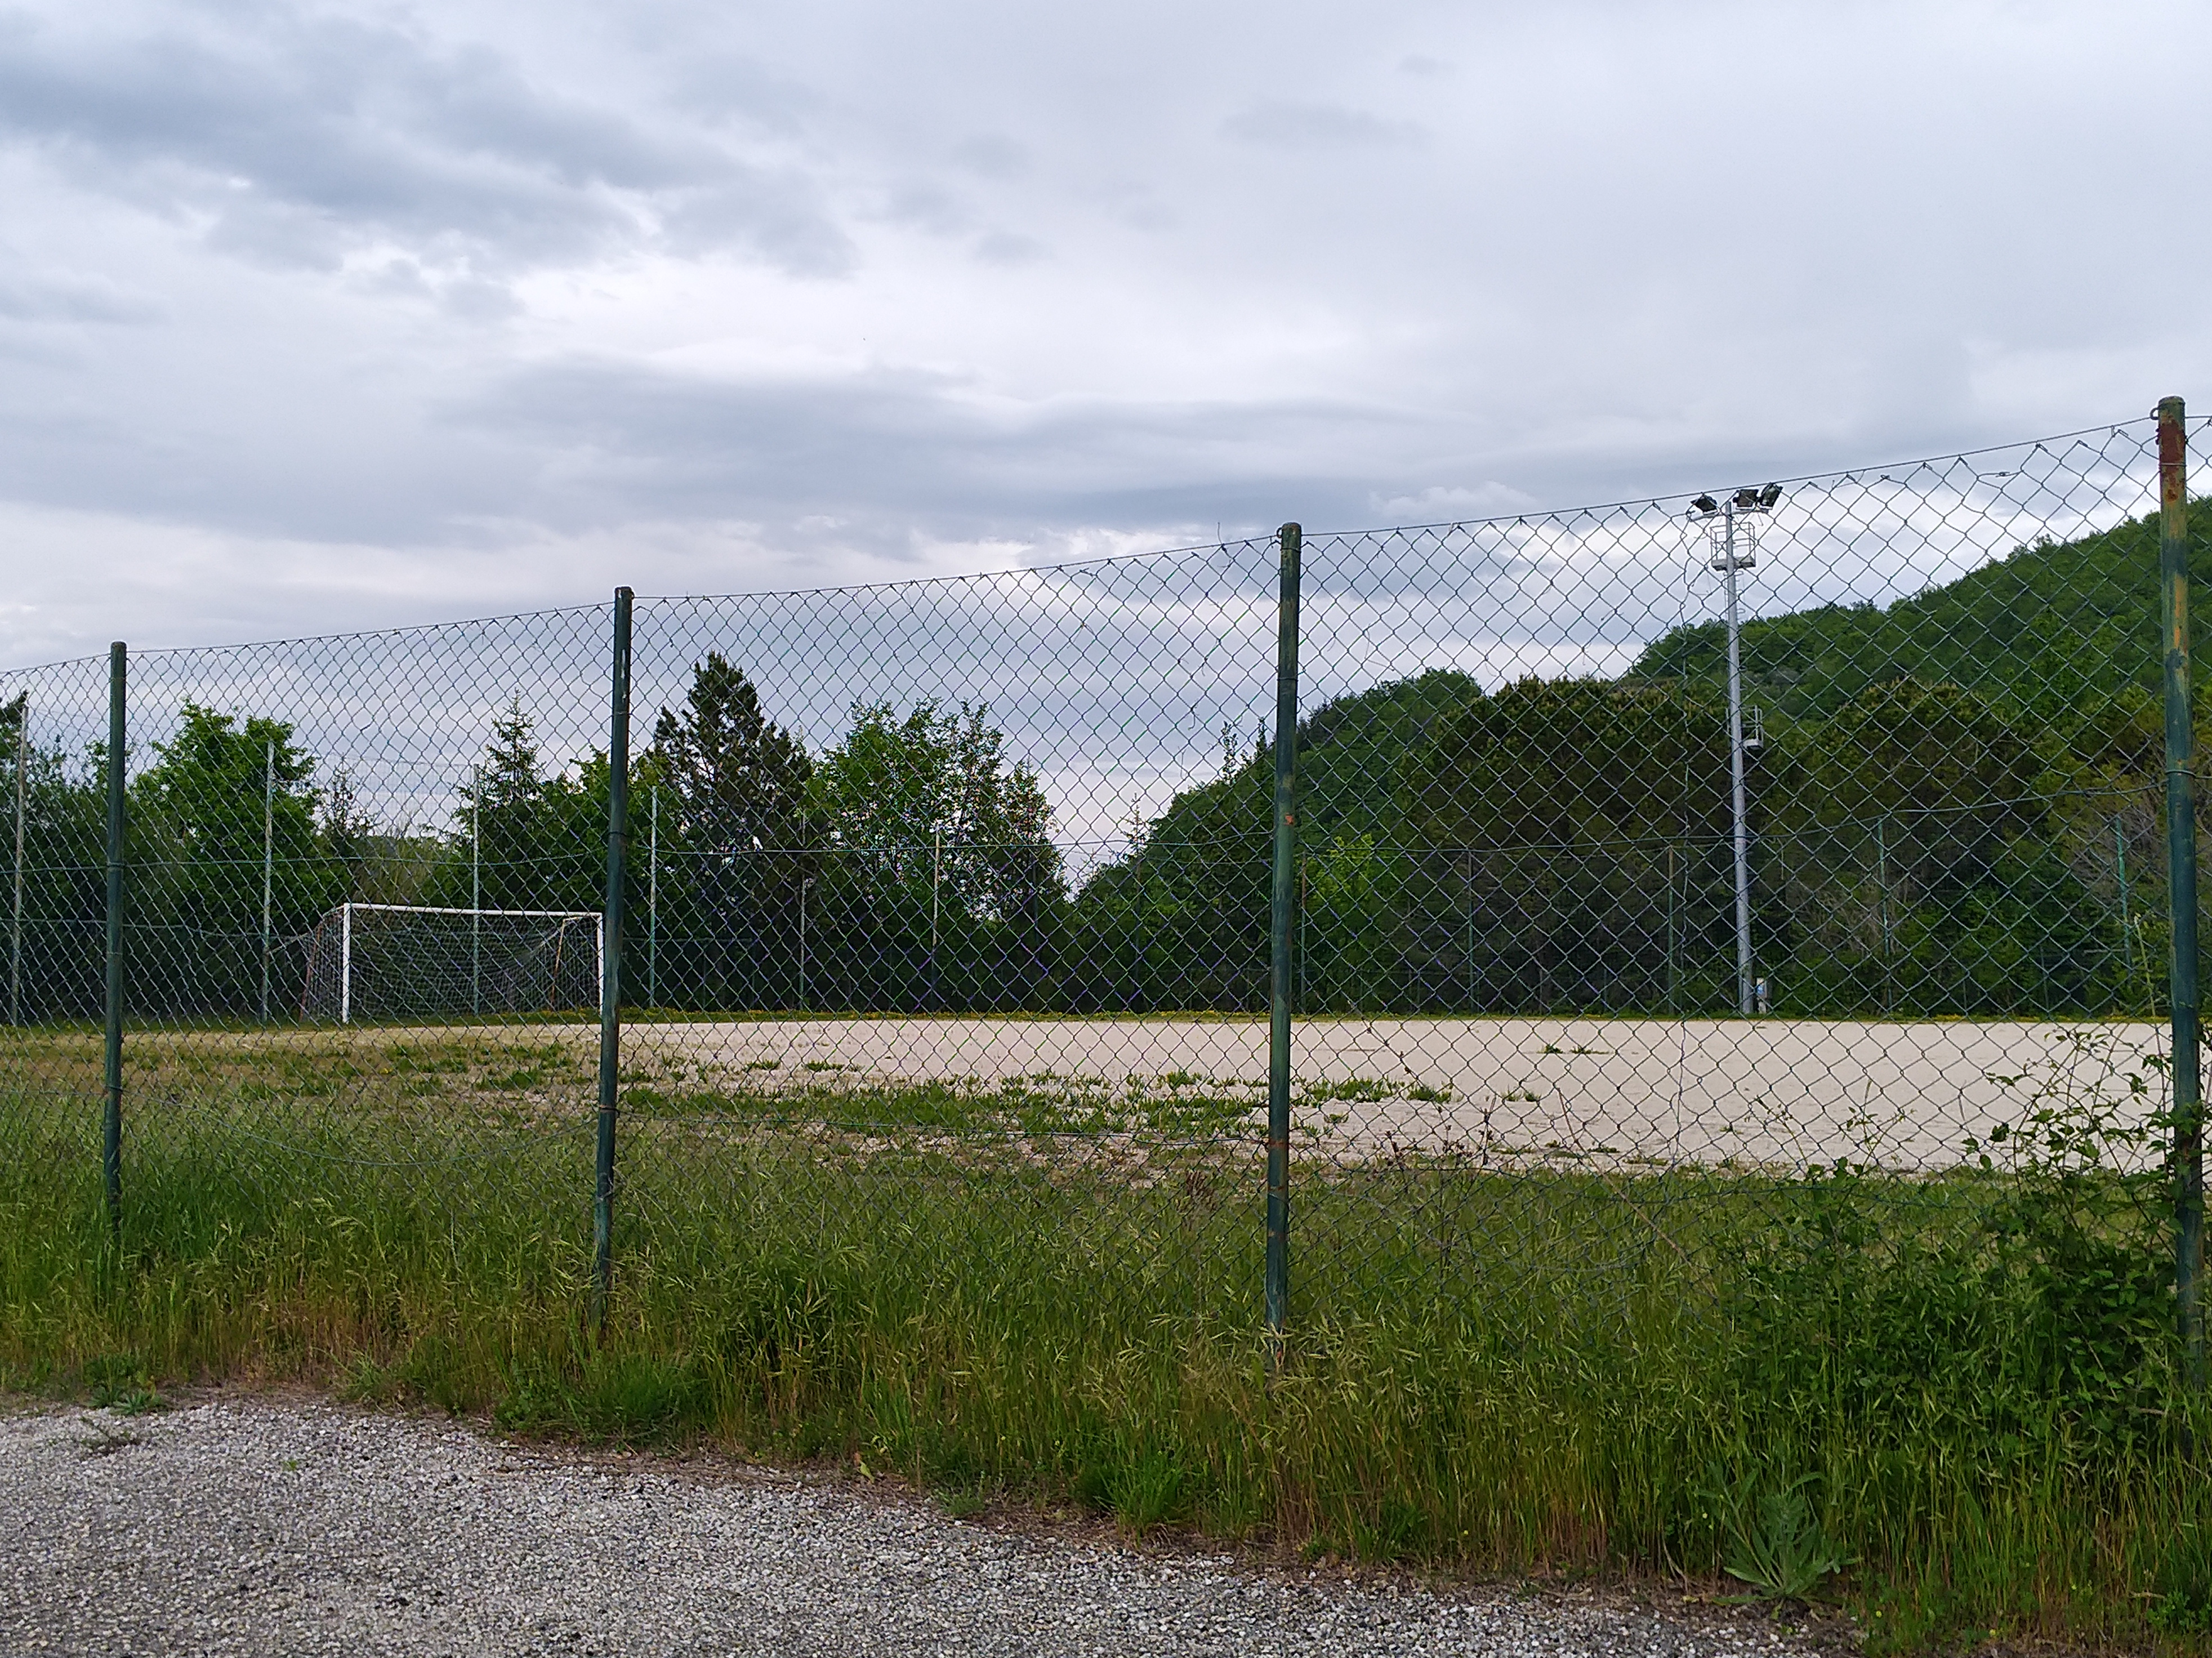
x,y
1769,1092
1908,1094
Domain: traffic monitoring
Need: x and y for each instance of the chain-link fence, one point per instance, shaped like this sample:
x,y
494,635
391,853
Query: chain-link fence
x,y
1643,857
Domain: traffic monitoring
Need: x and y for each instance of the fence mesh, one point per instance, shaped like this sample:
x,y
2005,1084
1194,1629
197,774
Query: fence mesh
x,y
947,950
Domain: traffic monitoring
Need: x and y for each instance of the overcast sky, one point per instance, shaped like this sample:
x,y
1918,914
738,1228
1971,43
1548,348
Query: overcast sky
x,y
322,316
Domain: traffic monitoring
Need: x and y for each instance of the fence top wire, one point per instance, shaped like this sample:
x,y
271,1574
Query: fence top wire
x,y
1118,681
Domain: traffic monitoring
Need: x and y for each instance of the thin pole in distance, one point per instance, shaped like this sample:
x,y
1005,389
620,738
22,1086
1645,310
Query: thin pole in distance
x,y
1732,530
804,882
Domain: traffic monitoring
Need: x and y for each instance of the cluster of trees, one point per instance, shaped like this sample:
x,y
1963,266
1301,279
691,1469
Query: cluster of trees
x,y
1569,844
1955,809
911,865
224,826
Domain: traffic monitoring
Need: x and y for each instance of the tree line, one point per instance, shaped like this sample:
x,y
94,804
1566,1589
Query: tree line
x,y
1920,846
911,863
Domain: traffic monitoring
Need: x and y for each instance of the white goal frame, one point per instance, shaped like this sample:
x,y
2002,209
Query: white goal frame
x,y
346,912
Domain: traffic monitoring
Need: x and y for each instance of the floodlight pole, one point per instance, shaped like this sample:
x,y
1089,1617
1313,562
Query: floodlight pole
x,y
1742,828
1719,523
1144,959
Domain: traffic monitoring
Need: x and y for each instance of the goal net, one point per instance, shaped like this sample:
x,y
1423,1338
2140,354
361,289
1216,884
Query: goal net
x,y
406,962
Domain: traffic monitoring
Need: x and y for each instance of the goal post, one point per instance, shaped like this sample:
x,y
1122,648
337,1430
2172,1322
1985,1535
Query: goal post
x,y
373,962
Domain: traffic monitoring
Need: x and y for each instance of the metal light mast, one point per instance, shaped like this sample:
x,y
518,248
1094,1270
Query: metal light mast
x,y
1733,530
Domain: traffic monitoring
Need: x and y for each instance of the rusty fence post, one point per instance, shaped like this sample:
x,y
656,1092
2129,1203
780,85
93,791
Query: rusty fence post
x,y
2181,884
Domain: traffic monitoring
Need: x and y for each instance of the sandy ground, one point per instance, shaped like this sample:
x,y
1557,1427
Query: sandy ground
x,y
1770,1092
1907,1095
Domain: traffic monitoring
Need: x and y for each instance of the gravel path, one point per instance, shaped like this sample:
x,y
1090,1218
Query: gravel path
x,y
265,1526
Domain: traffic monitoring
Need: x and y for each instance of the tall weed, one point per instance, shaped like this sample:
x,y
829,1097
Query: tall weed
x,y
1951,1402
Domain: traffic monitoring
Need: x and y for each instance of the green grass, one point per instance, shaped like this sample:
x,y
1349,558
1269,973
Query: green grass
x,y
1949,1404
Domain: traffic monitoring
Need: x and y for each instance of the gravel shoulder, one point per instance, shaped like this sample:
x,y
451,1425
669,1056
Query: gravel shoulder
x,y
261,1524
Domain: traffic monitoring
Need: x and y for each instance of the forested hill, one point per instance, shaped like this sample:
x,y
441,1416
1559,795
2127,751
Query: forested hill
x,y
1954,811
2048,630
2055,632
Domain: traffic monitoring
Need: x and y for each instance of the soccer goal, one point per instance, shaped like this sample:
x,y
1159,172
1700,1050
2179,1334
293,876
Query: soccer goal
x,y
410,962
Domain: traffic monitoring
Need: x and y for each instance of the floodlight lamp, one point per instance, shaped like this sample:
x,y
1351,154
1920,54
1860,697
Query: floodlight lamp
x,y
1769,496
1704,504
1746,499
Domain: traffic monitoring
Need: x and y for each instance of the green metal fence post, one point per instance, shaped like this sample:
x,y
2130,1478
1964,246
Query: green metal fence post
x,y
653,904
15,925
111,1134
268,866
2181,884
476,890
1282,938
611,945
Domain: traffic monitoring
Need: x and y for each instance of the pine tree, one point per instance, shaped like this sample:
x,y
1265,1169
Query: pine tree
x,y
741,780
735,851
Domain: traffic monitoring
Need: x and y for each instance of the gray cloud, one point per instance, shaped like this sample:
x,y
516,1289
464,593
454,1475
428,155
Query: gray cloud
x,y
777,216
992,154
305,135
730,87
74,299
926,205
905,452
1009,247
1276,125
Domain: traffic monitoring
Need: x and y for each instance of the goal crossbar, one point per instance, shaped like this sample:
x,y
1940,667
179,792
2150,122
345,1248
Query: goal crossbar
x,y
439,909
